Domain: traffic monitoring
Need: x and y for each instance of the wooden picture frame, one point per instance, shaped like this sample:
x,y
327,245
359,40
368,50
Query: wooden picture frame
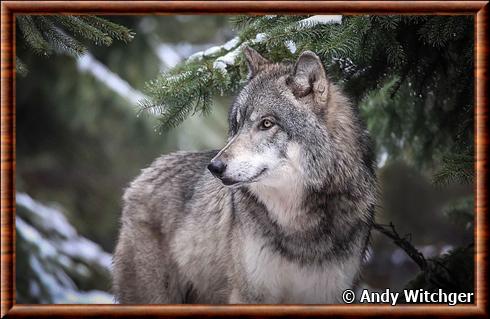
x,y
479,9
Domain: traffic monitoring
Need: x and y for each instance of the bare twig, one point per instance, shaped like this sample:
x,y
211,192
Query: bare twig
x,y
403,243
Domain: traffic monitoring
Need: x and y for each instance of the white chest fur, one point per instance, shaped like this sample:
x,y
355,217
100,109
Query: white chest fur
x,y
283,281
280,280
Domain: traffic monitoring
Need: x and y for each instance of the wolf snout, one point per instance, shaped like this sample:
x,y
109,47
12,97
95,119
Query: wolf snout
x,y
217,167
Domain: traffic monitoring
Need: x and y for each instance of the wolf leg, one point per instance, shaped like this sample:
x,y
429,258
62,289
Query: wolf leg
x,y
143,271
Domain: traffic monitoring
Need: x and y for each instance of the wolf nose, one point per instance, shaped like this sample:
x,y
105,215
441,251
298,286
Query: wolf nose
x,y
217,167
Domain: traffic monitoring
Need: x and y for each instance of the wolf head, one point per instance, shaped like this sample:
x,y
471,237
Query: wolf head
x,y
289,119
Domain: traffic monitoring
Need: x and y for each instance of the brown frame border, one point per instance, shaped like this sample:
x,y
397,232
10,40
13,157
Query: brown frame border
x,y
9,8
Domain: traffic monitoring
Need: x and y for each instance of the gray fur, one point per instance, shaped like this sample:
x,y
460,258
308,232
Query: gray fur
x,y
292,226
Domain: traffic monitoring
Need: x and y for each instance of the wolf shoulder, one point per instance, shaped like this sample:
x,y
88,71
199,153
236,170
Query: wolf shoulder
x,y
167,188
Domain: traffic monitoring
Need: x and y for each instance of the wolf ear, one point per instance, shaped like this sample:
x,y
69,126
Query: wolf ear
x,y
309,77
255,61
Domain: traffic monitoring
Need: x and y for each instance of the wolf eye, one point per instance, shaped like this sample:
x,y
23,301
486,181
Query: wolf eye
x,y
266,124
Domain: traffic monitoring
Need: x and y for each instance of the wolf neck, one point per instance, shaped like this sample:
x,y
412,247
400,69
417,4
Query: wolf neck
x,y
284,203
283,195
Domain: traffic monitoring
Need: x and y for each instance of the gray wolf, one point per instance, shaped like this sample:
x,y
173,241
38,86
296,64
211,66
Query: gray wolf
x,y
281,214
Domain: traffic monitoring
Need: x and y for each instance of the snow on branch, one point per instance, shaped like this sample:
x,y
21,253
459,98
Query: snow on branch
x,y
320,19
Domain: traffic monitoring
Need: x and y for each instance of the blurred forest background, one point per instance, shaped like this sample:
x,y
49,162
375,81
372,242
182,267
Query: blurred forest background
x,y
82,135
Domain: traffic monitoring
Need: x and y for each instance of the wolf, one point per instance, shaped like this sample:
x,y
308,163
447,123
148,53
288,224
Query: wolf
x,y
281,214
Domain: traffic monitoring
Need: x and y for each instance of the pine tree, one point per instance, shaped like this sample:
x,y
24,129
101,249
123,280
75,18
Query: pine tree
x,y
47,35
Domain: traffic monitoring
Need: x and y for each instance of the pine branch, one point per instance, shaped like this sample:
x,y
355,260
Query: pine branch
x,y
173,106
82,28
114,30
452,272
456,168
439,31
47,34
241,22
400,81
20,67
33,36
61,42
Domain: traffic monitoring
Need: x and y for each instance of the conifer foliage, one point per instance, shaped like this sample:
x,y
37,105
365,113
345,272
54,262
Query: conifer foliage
x,y
56,34
411,75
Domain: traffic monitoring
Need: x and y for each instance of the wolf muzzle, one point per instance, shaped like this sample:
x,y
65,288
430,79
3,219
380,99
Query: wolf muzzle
x,y
217,167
